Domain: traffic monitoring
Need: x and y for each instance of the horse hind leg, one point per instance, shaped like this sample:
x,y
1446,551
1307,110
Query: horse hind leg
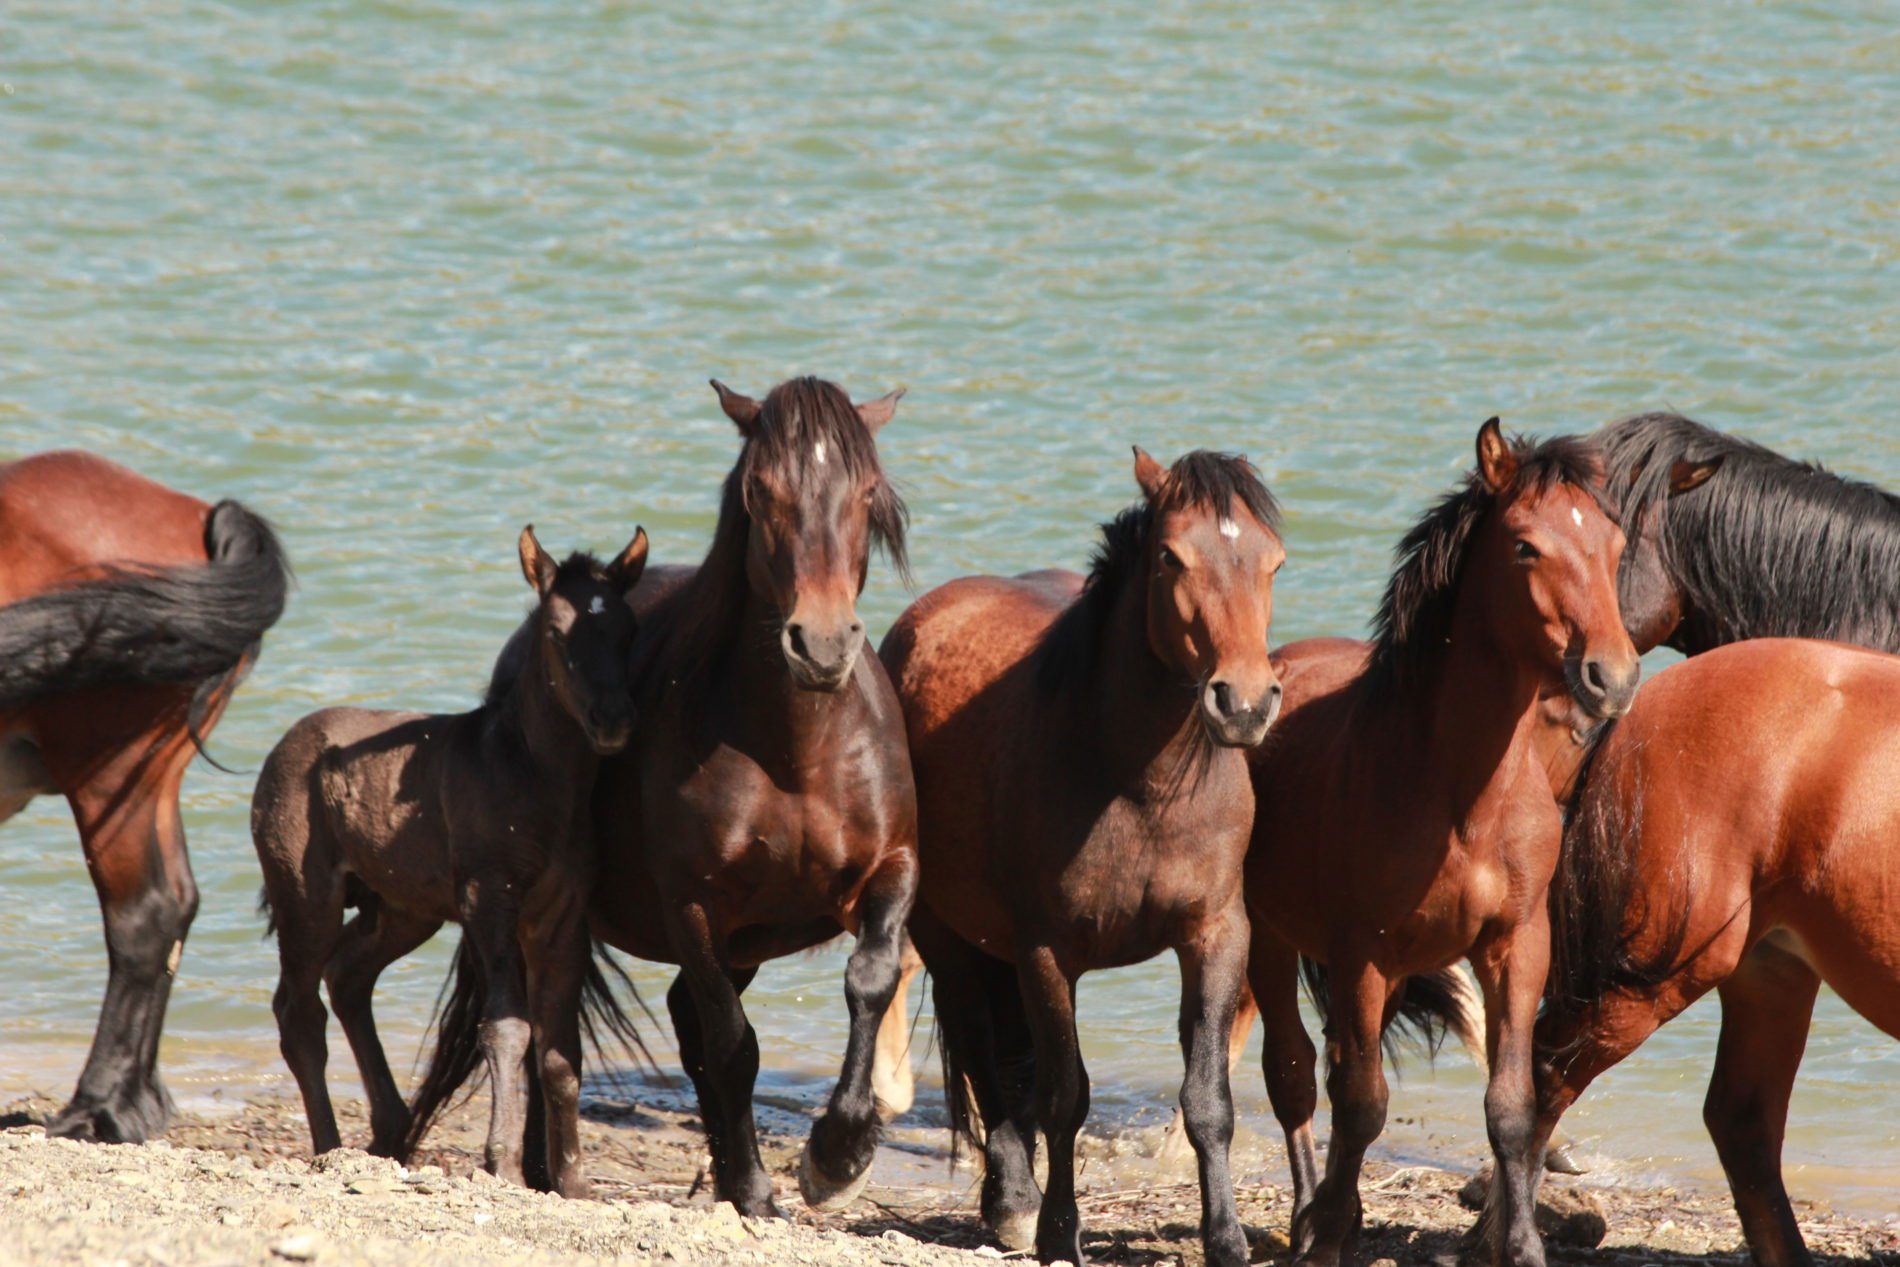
x,y
892,1080
1766,1008
989,1067
135,848
377,937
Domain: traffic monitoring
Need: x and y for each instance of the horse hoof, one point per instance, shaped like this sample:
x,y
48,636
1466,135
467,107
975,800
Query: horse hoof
x,y
823,1193
1016,1232
1558,1161
133,1120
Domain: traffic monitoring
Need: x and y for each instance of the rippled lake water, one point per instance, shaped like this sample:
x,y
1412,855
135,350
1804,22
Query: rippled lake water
x,y
406,275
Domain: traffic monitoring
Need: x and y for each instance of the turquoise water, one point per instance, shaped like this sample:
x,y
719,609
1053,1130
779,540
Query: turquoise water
x,y
404,276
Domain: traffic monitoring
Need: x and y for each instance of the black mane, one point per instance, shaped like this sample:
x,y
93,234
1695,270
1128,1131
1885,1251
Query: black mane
x,y
1414,620
1199,478
796,416
1767,546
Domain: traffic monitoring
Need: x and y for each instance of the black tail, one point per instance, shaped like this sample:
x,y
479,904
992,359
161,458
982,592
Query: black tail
x,y
1595,902
463,1003
151,626
1431,1005
990,985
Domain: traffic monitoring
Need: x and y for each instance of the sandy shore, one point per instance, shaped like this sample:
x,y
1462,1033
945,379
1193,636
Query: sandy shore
x,y
239,1187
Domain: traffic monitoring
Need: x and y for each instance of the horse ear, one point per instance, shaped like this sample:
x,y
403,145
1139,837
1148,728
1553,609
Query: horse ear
x,y
536,566
1150,474
743,410
879,411
1685,475
1497,465
624,572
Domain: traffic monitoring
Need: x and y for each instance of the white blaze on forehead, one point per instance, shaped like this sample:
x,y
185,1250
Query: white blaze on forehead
x,y
596,607
1229,529
1576,516
818,452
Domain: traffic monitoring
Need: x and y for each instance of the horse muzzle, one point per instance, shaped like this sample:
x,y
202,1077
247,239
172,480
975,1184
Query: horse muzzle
x,y
1234,724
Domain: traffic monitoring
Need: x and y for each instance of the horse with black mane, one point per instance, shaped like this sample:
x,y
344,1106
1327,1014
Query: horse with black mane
x,y
1406,821
1732,865
765,804
1085,805
131,614
480,819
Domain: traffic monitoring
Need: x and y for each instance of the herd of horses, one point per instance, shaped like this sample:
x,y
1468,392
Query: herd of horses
x,y
1032,778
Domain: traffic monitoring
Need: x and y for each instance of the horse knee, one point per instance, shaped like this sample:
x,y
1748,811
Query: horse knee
x,y
505,1041
870,979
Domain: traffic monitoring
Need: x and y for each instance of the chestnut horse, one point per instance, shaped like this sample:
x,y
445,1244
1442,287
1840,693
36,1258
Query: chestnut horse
x,y
1085,805
1739,831
765,804
478,818
131,614
1727,540
1407,821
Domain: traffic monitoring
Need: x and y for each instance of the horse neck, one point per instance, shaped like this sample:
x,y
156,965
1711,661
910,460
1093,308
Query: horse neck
x,y
1137,712
530,715
1474,710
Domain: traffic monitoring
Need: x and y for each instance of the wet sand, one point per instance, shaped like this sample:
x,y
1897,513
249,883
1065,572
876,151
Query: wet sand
x,y
252,1195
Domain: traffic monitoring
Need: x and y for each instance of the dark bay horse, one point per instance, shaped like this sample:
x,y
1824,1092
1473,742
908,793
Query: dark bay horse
x,y
766,802
1406,820
1085,805
131,612
1739,831
480,819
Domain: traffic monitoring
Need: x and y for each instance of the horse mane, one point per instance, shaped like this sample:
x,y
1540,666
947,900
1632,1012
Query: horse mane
x,y
1202,478
795,418
1414,619
1768,546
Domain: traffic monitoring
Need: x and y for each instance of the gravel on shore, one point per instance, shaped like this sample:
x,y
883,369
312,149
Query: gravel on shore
x,y
240,1188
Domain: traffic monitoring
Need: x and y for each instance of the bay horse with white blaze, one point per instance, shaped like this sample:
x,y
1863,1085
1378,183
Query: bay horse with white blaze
x,y
1085,805
1738,831
131,612
1406,821
765,804
480,819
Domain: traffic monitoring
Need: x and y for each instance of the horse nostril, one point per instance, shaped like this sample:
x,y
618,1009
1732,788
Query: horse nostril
x,y
1593,677
855,628
795,634
1223,699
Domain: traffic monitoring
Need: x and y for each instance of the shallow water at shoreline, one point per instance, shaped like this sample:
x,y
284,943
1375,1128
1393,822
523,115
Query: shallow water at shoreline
x,y
404,277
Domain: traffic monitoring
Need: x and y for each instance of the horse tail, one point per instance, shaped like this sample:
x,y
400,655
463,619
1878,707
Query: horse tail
x,y
1431,1005
966,1124
1596,902
998,993
158,626
461,1007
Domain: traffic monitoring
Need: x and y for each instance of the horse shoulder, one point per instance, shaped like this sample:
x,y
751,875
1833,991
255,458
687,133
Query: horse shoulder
x,y
954,643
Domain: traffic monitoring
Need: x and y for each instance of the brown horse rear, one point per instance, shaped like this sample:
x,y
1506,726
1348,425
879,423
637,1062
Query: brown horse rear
x,y
131,612
1740,831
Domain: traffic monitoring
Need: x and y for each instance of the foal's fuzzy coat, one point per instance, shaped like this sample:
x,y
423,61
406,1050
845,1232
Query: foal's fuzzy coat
x,y
479,818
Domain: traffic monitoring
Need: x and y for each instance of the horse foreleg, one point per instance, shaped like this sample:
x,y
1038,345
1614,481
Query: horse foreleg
x,y
1472,1029
1175,1144
1062,1098
1355,1083
135,849
836,1162
1213,974
892,1080
558,955
1288,1058
1766,1007
1511,971
724,1059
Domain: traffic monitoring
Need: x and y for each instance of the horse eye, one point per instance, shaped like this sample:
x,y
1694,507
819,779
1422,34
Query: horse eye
x,y
1170,559
1526,551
